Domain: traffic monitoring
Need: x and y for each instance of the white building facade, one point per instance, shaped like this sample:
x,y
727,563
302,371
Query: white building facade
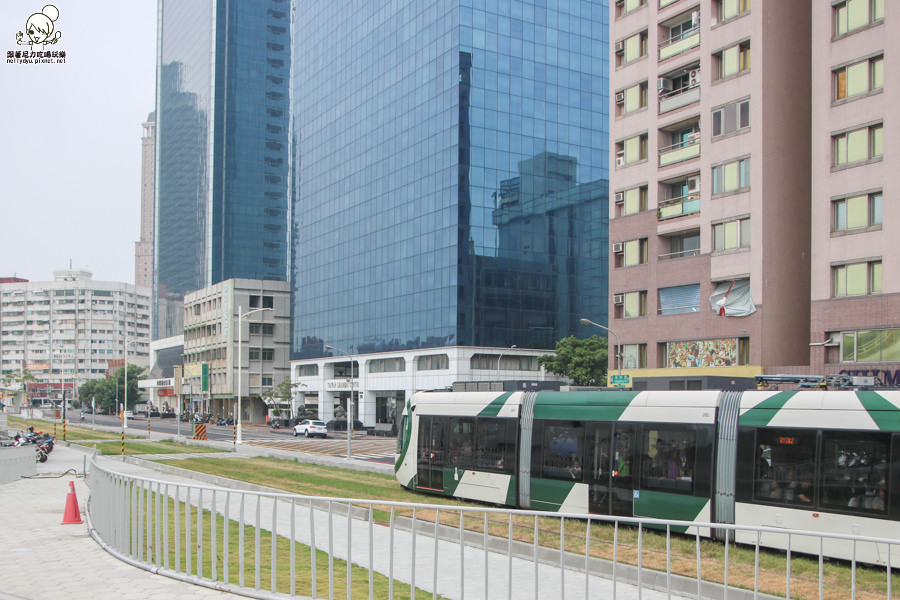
x,y
68,331
382,382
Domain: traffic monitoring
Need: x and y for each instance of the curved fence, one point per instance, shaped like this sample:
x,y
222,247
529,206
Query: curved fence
x,y
274,545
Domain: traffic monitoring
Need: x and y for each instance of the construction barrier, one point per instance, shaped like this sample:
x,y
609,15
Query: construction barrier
x,y
199,431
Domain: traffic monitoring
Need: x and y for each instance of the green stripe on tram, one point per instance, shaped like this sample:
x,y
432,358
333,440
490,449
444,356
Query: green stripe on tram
x,y
493,409
602,406
762,413
673,507
885,414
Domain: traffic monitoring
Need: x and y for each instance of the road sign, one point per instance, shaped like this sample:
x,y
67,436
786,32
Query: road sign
x,y
619,380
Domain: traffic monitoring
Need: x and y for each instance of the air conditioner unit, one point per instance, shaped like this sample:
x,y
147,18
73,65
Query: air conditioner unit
x,y
663,84
620,197
618,247
619,299
620,47
620,161
620,97
695,19
694,137
693,184
694,77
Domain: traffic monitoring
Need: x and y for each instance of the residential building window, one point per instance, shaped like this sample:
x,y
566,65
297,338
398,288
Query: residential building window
x,y
733,60
679,299
632,98
731,235
627,6
262,328
854,14
857,279
634,356
857,145
307,370
681,197
635,252
731,117
731,176
857,212
728,9
634,304
879,345
632,201
631,150
859,78
632,48
267,381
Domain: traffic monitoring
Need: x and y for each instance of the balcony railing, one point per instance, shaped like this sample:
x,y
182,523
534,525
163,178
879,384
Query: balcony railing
x,y
680,254
680,97
679,43
679,151
676,207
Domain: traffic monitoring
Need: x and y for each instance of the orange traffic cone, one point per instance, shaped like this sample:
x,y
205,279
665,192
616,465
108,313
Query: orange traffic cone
x,y
73,515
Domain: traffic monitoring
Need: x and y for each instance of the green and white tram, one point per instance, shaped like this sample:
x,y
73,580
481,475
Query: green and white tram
x,y
824,461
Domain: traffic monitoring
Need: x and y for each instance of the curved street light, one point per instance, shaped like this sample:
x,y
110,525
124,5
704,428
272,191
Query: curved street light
x,y
349,399
240,361
513,347
618,346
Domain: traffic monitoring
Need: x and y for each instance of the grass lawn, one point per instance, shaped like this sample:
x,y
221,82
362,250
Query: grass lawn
x,y
159,447
314,480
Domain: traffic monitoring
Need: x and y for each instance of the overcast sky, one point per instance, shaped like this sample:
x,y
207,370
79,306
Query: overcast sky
x,y
70,139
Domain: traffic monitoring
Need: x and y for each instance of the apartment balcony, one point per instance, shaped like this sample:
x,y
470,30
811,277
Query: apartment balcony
x,y
678,207
680,43
683,96
680,151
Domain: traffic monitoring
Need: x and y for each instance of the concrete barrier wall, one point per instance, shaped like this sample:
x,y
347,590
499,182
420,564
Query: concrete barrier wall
x,y
16,463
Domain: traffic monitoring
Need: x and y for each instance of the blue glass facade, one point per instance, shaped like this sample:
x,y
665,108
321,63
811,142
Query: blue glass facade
x,y
450,173
223,118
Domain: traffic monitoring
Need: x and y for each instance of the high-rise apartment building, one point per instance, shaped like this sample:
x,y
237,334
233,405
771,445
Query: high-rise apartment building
x,y
68,331
143,248
449,184
222,152
855,275
710,223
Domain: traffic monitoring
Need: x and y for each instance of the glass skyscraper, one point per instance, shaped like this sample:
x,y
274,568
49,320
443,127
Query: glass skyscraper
x,y
223,119
450,173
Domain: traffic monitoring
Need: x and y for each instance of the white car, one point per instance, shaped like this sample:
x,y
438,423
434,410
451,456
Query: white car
x,y
309,427
129,414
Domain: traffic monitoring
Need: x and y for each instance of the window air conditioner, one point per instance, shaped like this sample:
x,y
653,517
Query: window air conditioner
x,y
693,184
664,84
620,161
620,197
620,97
694,77
619,299
620,47
618,247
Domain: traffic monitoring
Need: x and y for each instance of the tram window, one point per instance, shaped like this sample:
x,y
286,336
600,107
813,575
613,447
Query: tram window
x,y
855,471
785,466
495,442
462,443
563,450
669,454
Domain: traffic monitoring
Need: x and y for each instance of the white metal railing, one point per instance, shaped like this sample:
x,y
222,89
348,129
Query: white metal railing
x,y
202,534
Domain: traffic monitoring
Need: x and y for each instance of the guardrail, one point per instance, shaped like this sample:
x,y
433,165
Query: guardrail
x,y
275,545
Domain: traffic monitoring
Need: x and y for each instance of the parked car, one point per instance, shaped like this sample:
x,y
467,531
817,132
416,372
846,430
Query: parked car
x,y
129,414
309,427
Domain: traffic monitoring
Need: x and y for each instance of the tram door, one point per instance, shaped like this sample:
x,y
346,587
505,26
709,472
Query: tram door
x,y
430,450
623,469
598,443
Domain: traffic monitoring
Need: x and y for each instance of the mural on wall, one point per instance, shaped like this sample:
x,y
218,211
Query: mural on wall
x,y
702,353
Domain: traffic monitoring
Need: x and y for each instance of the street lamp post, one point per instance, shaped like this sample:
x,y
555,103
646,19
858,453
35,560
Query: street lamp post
x,y
513,347
349,399
618,346
240,360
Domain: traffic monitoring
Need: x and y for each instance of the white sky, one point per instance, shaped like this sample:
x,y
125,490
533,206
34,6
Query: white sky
x,y
70,139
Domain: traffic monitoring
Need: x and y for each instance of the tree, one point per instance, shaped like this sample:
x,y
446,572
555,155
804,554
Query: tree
x,y
582,361
282,394
17,380
106,391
